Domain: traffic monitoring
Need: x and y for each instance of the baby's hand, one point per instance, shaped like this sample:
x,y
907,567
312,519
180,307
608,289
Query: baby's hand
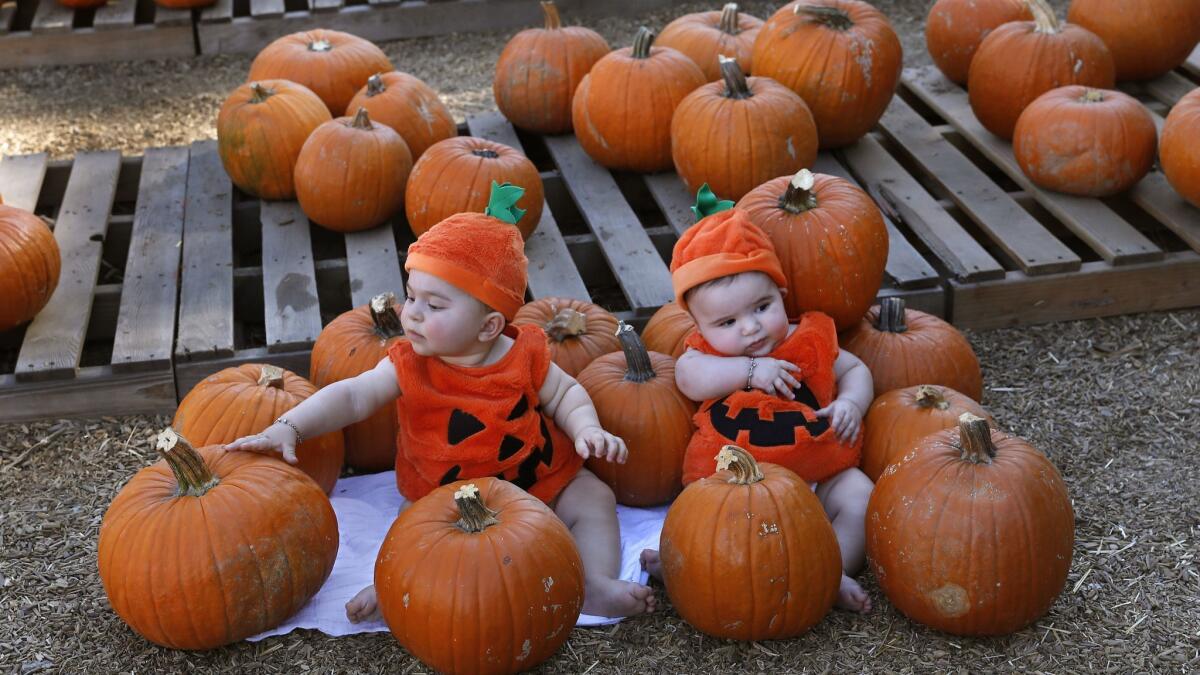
x,y
277,439
844,417
596,442
775,377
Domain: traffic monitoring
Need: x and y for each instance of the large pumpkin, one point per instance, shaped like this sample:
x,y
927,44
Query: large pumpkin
x,y
1147,38
667,331
1022,60
636,398
350,345
972,532
1086,142
351,173
739,133
456,176
748,553
479,577
409,106
260,130
841,56
906,347
244,400
577,331
623,107
1178,151
954,29
703,36
539,70
209,547
830,238
898,420
29,265
335,65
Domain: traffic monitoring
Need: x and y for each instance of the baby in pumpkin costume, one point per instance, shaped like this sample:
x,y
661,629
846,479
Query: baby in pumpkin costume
x,y
475,397
783,391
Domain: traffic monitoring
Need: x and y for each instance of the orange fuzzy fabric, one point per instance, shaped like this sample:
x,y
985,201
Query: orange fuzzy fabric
x,y
721,245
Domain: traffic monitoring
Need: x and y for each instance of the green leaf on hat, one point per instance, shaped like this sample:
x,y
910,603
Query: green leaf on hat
x,y
502,204
707,203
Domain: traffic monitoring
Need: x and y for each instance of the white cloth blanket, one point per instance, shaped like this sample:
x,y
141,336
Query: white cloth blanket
x,y
365,508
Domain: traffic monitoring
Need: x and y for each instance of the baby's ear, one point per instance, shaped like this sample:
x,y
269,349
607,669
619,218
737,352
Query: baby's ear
x,y
493,325
783,292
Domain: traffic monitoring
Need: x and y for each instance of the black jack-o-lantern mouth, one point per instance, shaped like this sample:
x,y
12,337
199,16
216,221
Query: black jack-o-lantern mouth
x,y
463,425
766,433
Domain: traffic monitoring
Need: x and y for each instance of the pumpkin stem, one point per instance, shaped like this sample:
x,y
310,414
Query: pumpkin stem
x,y
729,18
929,396
271,376
320,46
976,439
485,153
642,42
831,17
1043,17
553,22
192,475
383,315
567,323
375,85
638,367
1092,96
361,120
799,197
741,463
891,316
259,93
736,85
474,516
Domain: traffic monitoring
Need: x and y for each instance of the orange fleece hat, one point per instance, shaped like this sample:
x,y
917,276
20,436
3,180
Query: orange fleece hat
x,y
721,245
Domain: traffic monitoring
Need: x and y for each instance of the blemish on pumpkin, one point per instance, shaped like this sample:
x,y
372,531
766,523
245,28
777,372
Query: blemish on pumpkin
x,y
548,582
791,148
950,600
526,647
405,599
767,529
507,560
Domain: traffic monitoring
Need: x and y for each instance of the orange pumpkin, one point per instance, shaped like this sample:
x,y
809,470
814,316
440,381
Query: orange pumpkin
x,y
260,130
1022,60
516,577
668,330
954,29
898,420
409,106
30,263
748,553
350,345
577,331
636,398
244,400
623,107
335,65
1147,38
1179,153
737,134
943,527
906,347
539,70
830,238
456,175
703,36
209,547
841,56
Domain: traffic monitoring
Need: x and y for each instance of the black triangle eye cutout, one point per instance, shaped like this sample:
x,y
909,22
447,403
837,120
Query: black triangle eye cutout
x,y
510,446
463,425
451,475
519,410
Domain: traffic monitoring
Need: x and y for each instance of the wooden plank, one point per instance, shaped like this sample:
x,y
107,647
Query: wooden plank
x,y
51,17
326,5
1170,88
373,264
673,199
634,260
1091,220
21,179
219,12
96,391
929,300
95,46
292,315
8,10
1160,200
166,16
146,322
117,14
206,279
266,9
375,3
1192,65
189,374
893,186
54,339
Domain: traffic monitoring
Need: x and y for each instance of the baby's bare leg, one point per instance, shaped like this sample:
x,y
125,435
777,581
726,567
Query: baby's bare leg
x,y
845,498
589,510
364,606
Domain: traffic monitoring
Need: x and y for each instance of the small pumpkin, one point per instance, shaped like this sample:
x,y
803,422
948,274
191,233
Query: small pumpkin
x,y
841,56
516,576
1178,151
954,29
748,553
1086,142
830,238
30,263
942,525
260,130
353,343
636,398
351,173
193,548
898,420
1147,38
577,331
906,347
333,64
667,331
1022,60
703,36
409,106
623,107
739,133
456,175
540,69
244,400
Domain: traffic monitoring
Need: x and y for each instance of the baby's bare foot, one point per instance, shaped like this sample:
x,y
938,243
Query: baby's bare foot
x,y
652,563
363,606
851,596
616,598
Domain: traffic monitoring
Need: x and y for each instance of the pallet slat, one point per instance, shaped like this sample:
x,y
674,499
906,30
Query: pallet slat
x,y
373,264
293,316
206,278
96,391
1160,200
8,9
115,15
166,16
51,17
673,199
263,9
1192,65
219,12
1170,88
327,5
21,179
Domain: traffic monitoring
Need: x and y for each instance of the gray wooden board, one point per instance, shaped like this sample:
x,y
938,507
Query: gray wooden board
x,y
21,179
1091,220
219,12
263,9
96,391
905,265
292,314
54,339
206,279
116,14
383,2
1160,200
24,50
673,199
929,300
552,273
8,9
326,5
964,257
635,262
1192,65
146,322
1170,88
166,16
51,17
188,375
373,264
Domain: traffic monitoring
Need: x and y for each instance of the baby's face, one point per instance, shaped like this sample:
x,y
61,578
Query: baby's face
x,y
438,318
743,317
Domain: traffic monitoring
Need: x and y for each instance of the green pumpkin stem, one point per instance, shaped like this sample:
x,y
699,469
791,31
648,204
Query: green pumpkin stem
x,y
975,439
741,463
799,196
474,515
271,376
384,316
361,120
736,85
375,85
567,323
642,43
638,366
729,19
929,396
1043,17
259,93
891,316
553,22
831,17
192,475
502,202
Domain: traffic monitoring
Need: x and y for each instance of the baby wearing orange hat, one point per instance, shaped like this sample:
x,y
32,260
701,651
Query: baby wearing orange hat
x,y
783,391
476,396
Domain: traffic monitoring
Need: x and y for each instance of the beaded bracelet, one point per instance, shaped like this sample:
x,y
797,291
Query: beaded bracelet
x,y
284,420
750,375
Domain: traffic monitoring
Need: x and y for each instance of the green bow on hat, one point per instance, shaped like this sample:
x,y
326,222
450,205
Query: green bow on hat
x,y
502,203
707,203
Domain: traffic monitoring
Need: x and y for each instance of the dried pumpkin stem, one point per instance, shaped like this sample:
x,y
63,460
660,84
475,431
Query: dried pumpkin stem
x,y
891,316
729,19
553,22
567,323
1092,96
975,437
485,153
375,85
799,196
929,396
271,376
1043,17
831,17
320,46
384,316
361,120
741,463
259,93
736,85
192,475
642,43
474,515
638,367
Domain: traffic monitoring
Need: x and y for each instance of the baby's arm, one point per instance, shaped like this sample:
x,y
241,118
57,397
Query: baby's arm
x,y
568,403
331,408
856,388
703,376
